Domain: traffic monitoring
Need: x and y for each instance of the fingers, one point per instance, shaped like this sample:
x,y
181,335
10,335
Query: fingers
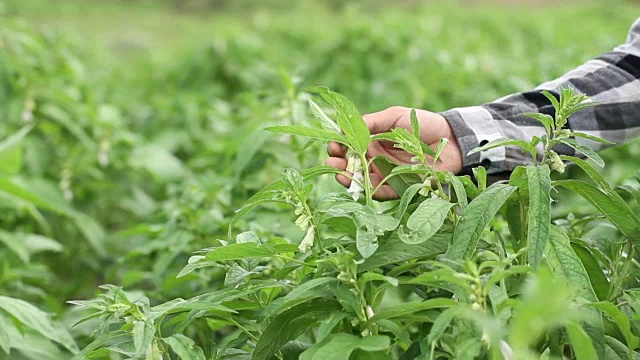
x,y
385,192
384,121
340,164
337,150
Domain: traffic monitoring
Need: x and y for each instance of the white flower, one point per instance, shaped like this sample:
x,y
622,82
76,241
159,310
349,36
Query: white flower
x,y
354,163
506,350
307,242
369,312
555,163
355,189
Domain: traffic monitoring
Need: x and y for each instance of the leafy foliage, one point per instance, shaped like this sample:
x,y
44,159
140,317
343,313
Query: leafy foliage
x,y
215,252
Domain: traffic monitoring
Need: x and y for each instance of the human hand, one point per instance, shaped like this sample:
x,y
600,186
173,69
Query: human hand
x,y
433,127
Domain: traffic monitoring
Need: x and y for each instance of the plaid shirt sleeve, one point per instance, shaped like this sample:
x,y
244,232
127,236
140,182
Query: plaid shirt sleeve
x,y
611,80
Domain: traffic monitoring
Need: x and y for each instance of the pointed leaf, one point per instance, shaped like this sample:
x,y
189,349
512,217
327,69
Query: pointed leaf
x,y
326,122
341,346
585,150
291,324
505,142
349,119
616,210
475,219
184,347
581,343
425,221
314,133
539,216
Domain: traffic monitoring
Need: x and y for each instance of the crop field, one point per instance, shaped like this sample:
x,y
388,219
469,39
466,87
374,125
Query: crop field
x,y
164,193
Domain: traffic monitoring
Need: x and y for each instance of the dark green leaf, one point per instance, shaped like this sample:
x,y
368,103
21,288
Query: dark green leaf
x,y
598,280
616,210
291,324
341,346
475,219
393,251
184,347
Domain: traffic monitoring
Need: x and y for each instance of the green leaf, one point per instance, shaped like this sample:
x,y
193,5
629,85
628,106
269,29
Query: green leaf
x,y
415,125
15,244
34,318
616,350
366,241
545,119
580,342
314,133
405,200
506,142
480,173
184,347
302,293
349,119
38,194
565,264
399,183
598,280
539,216
269,192
594,174
620,319
11,152
393,251
458,188
341,346
117,336
143,333
425,221
591,137
248,250
443,143
615,209
408,309
291,324
5,340
325,328
326,122
442,323
585,150
475,219
553,99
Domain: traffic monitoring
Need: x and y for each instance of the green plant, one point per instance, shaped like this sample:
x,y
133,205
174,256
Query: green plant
x,y
115,169
433,276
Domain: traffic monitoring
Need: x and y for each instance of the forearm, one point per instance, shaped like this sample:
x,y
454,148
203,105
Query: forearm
x,y
611,81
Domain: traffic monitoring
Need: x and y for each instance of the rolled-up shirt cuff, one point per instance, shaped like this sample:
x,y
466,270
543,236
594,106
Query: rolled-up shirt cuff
x,y
475,126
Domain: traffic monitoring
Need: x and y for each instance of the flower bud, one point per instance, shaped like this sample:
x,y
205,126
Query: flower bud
x,y
555,163
307,241
369,312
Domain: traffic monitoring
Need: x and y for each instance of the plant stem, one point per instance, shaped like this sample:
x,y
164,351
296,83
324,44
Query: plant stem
x,y
367,181
244,330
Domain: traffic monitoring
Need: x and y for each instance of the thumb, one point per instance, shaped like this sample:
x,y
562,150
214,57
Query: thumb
x,y
385,120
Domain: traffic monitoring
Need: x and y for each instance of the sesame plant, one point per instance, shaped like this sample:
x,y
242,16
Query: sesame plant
x,y
454,269
145,213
